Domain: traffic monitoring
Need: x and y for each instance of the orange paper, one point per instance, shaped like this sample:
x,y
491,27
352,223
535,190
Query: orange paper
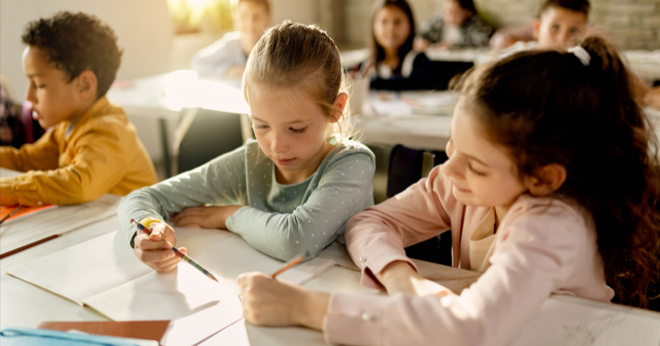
x,y
6,210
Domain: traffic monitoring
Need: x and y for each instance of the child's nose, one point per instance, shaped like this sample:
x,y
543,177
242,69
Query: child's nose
x,y
279,145
30,95
451,168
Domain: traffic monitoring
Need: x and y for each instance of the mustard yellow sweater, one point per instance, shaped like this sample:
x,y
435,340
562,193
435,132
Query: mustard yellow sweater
x,y
101,154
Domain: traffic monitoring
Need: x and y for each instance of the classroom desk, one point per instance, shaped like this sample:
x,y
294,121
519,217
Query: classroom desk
x,y
25,305
162,97
151,97
642,62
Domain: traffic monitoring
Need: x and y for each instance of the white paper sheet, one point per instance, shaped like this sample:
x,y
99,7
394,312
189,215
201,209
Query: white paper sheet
x,y
105,274
85,269
186,290
102,263
58,220
566,323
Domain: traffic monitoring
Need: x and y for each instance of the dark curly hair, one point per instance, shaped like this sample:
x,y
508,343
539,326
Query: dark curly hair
x,y
76,42
548,107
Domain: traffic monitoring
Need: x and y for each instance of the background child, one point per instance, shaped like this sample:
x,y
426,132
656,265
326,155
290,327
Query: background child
x,y
227,56
71,61
539,206
293,189
560,24
458,26
17,127
397,65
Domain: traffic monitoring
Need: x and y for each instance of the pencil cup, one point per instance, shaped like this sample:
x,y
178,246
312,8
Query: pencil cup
x,y
359,92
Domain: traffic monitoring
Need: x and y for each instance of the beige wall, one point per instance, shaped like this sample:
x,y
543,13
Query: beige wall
x,y
143,28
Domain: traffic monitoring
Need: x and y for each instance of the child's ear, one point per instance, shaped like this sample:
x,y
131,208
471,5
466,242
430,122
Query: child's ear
x,y
536,28
340,105
547,180
87,84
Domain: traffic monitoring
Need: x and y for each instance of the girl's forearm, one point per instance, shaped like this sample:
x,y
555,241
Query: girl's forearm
x,y
395,273
313,308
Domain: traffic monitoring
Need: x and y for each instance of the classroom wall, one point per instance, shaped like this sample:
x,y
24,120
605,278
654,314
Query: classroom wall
x,y
633,24
145,33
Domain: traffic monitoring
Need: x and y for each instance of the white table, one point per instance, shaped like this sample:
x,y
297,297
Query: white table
x,y
161,98
24,305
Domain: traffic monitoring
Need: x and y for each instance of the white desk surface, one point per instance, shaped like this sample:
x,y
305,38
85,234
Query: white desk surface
x,y
25,305
163,96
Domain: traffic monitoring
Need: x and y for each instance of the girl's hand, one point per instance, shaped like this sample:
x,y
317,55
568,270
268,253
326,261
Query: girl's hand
x,y
204,217
401,277
155,249
270,302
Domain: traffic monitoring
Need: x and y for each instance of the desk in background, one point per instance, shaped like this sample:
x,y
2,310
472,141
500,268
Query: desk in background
x,y
157,102
644,63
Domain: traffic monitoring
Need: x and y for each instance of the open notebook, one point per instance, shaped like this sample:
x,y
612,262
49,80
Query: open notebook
x,y
104,274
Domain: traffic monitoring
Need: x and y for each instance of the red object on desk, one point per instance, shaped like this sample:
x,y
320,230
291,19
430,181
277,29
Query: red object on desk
x,y
149,330
4,211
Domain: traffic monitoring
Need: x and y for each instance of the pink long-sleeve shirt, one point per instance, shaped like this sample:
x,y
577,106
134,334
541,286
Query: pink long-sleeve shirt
x,y
542,246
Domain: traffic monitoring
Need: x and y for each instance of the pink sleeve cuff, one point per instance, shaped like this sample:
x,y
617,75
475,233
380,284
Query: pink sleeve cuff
x,y
354,319
375,264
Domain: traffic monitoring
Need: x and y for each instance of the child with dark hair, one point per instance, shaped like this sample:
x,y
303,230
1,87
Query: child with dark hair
x,y
550,188
558,25
458,26
396,65
90,148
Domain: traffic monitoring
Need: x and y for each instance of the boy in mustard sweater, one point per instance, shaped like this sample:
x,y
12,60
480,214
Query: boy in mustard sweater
x,y
90,148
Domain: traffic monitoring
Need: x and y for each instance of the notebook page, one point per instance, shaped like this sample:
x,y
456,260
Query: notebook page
x,y
185,290
102,263
567,323
85,269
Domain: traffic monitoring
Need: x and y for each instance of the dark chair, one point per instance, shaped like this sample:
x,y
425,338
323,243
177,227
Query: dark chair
x,y
203,135
398,167
442,72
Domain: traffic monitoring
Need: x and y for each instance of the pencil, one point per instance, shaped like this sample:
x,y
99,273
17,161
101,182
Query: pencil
x,y
10,214
24,247
291,263
185,258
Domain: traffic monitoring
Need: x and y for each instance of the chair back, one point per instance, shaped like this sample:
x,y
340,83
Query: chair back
x,y
203,135
442,72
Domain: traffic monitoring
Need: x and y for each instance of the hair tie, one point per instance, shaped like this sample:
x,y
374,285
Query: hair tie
x,y
581,54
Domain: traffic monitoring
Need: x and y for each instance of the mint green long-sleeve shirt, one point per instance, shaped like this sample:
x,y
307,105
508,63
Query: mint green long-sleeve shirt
x,y
282,221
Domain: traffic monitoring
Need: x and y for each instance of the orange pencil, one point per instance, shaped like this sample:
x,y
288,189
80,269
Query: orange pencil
x,y
292,263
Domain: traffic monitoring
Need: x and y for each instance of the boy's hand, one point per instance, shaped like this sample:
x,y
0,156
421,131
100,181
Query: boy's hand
x,y
270,302
155,249
204,217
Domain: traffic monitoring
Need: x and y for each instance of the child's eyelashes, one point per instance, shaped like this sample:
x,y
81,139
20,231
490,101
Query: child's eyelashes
x,y
481,174
294,130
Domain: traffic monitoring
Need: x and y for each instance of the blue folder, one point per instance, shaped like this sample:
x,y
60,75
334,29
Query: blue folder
x,y
13,336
